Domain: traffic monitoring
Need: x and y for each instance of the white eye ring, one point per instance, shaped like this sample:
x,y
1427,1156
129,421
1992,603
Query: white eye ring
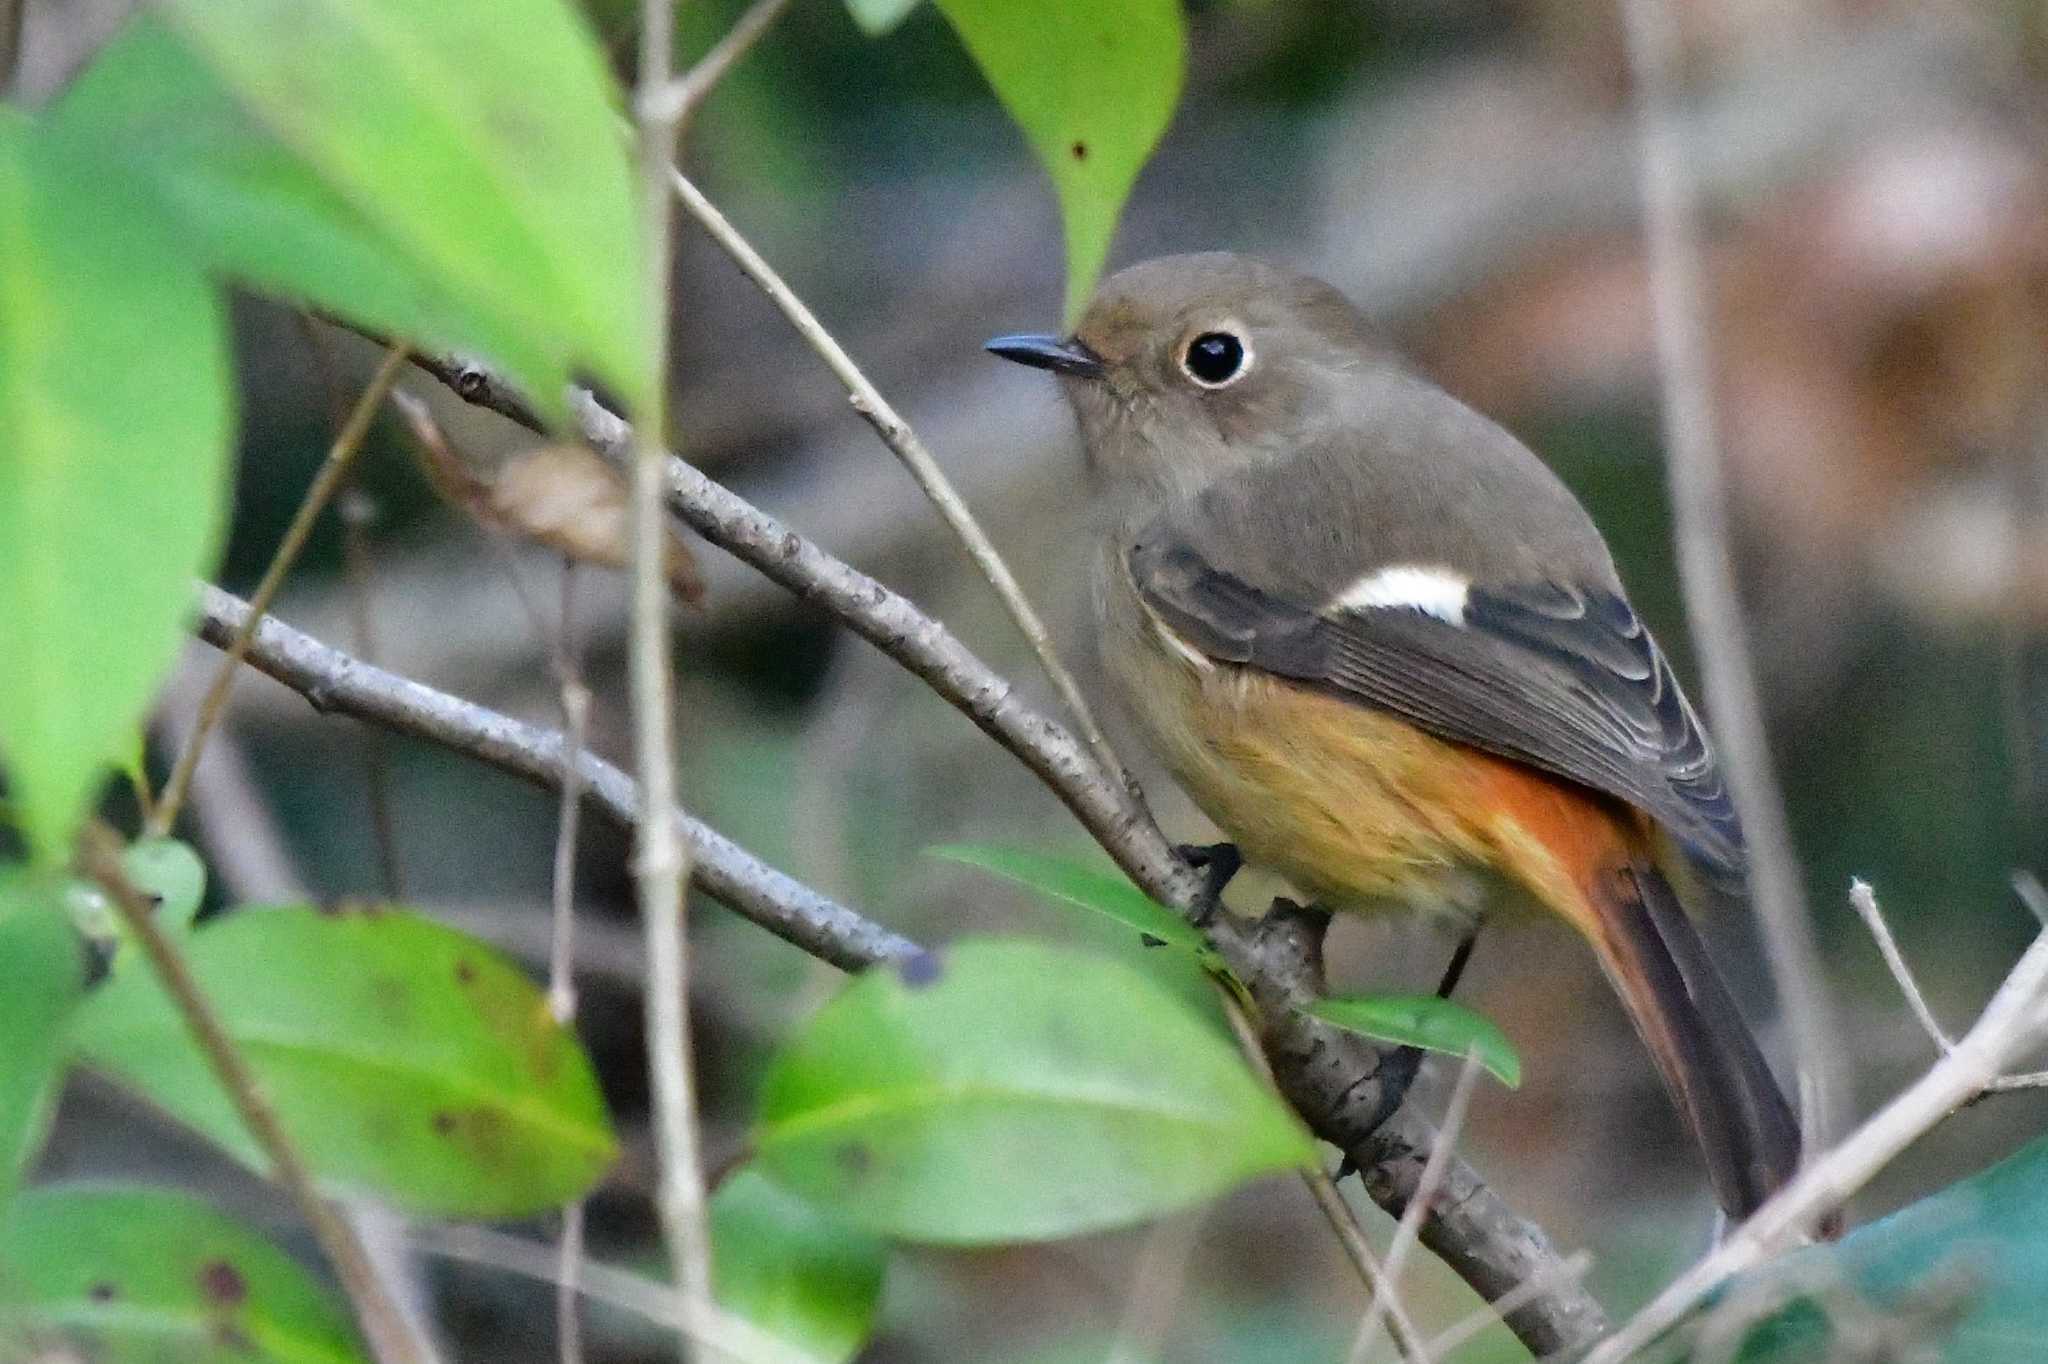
x,y
1216,357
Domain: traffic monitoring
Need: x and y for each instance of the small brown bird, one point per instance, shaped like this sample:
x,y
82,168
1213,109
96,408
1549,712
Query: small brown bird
x,y
1387,652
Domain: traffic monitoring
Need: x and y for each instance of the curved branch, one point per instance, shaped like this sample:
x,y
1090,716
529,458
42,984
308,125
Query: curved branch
x,y
337,684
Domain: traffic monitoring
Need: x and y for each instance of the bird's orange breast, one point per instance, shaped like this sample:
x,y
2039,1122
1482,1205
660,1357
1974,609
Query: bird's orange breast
x,y
1358,808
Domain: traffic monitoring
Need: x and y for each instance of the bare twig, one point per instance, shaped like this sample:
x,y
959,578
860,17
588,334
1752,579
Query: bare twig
x,y
325,483
562,949
1331,1077
2015,1022
1323,1189
623,1289
678,103
1158,1274
1410,1226
1699,504
903,441
358,513
662,865
1864,899
384,1325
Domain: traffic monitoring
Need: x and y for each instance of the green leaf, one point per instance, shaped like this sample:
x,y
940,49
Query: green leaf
x,y
1104,890
1963,1274
802,1275
1097,1099
877,17
406,1060
115,429
1093,86
43,963
1428,1022
171,875
261,215
131,1274
481,137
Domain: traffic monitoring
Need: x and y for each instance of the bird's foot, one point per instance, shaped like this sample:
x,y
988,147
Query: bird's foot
x,y
1218,863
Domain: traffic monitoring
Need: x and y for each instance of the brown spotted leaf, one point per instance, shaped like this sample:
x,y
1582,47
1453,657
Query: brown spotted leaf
x,y
131,1274
408,1061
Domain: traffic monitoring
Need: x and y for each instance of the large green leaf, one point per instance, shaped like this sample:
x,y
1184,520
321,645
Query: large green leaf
x,y
407,1060
481,137
1428,1022
1009,1091
797,1273
1101,889
1963,1275
43,965
115,427
151,1276
1093,86
262,215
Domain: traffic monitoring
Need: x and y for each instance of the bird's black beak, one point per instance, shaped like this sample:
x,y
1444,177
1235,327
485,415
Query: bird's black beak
x,y
1048,352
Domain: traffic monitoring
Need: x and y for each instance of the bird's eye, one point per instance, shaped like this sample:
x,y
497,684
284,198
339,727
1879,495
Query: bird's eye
x,y
1214,359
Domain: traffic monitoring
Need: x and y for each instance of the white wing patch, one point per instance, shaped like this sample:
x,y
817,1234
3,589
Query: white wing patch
x,y
1433,591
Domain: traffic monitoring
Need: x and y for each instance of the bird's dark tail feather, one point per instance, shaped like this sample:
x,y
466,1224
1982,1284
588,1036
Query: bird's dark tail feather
x,y
1718,1078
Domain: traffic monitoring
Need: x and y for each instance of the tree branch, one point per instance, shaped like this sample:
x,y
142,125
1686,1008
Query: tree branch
x,y
337,684
1332,1078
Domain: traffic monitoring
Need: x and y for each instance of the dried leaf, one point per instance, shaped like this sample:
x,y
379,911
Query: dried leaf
x,y
566,497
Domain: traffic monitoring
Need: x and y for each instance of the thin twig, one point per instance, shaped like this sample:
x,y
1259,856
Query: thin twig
x,y
903,441
1410,1226
326,482
1864,901
620,1288
562,951
1699,504
1328,1198
384,1324
358,514
2014,1022
679,102
247,853
1158,1277
661,866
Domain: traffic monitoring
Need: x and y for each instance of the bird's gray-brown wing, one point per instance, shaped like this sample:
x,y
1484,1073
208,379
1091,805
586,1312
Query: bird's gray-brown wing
x,y
1561,676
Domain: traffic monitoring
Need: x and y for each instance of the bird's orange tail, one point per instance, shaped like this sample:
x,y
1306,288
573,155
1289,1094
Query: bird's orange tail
x,y
1709,1059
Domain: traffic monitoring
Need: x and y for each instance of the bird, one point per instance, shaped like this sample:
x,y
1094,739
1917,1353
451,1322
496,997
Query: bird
x,y
1387,652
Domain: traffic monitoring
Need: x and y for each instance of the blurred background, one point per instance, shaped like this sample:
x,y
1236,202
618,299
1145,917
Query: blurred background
x,y
1876,198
